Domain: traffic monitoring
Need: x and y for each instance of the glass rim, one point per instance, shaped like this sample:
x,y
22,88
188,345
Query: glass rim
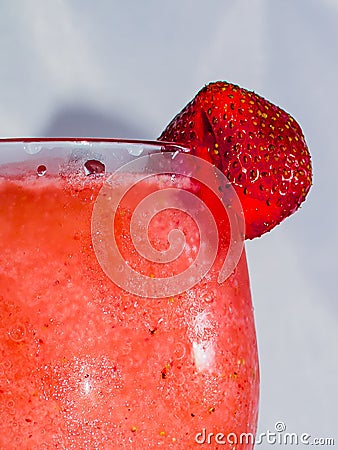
x,y
79,140
112,152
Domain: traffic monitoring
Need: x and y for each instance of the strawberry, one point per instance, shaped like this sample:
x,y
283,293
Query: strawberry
x,y
257,145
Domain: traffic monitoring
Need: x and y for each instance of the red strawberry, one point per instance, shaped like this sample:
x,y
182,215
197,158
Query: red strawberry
x,y
257,145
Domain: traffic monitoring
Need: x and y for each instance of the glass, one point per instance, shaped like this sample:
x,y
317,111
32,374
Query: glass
x,y
125,311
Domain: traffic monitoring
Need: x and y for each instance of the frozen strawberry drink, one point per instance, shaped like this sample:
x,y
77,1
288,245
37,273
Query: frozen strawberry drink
x,y
125,312
86,363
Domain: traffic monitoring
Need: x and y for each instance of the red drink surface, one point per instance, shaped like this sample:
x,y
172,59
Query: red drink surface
x,y
86,365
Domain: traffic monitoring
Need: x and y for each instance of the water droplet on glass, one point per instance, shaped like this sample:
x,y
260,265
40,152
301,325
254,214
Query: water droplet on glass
x,y
44,447
179,379
6,364
17,333
41,170
209,298
32,148
10,404
93,166
179,351
135,150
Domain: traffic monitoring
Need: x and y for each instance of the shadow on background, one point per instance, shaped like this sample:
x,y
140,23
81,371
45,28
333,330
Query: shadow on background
x,y
77,121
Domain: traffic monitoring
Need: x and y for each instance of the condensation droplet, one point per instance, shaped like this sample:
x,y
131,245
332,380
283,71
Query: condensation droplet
x,y
208,295
93,166
10,404
32,148
135,150
120,268
179,379
44,446
179,351
17,333
6,364
41,170
209,298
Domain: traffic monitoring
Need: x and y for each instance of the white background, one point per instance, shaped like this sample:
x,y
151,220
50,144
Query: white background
x,y
124,69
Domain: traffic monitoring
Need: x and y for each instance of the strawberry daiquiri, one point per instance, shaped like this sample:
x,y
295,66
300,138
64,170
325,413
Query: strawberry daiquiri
x,y
98,349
